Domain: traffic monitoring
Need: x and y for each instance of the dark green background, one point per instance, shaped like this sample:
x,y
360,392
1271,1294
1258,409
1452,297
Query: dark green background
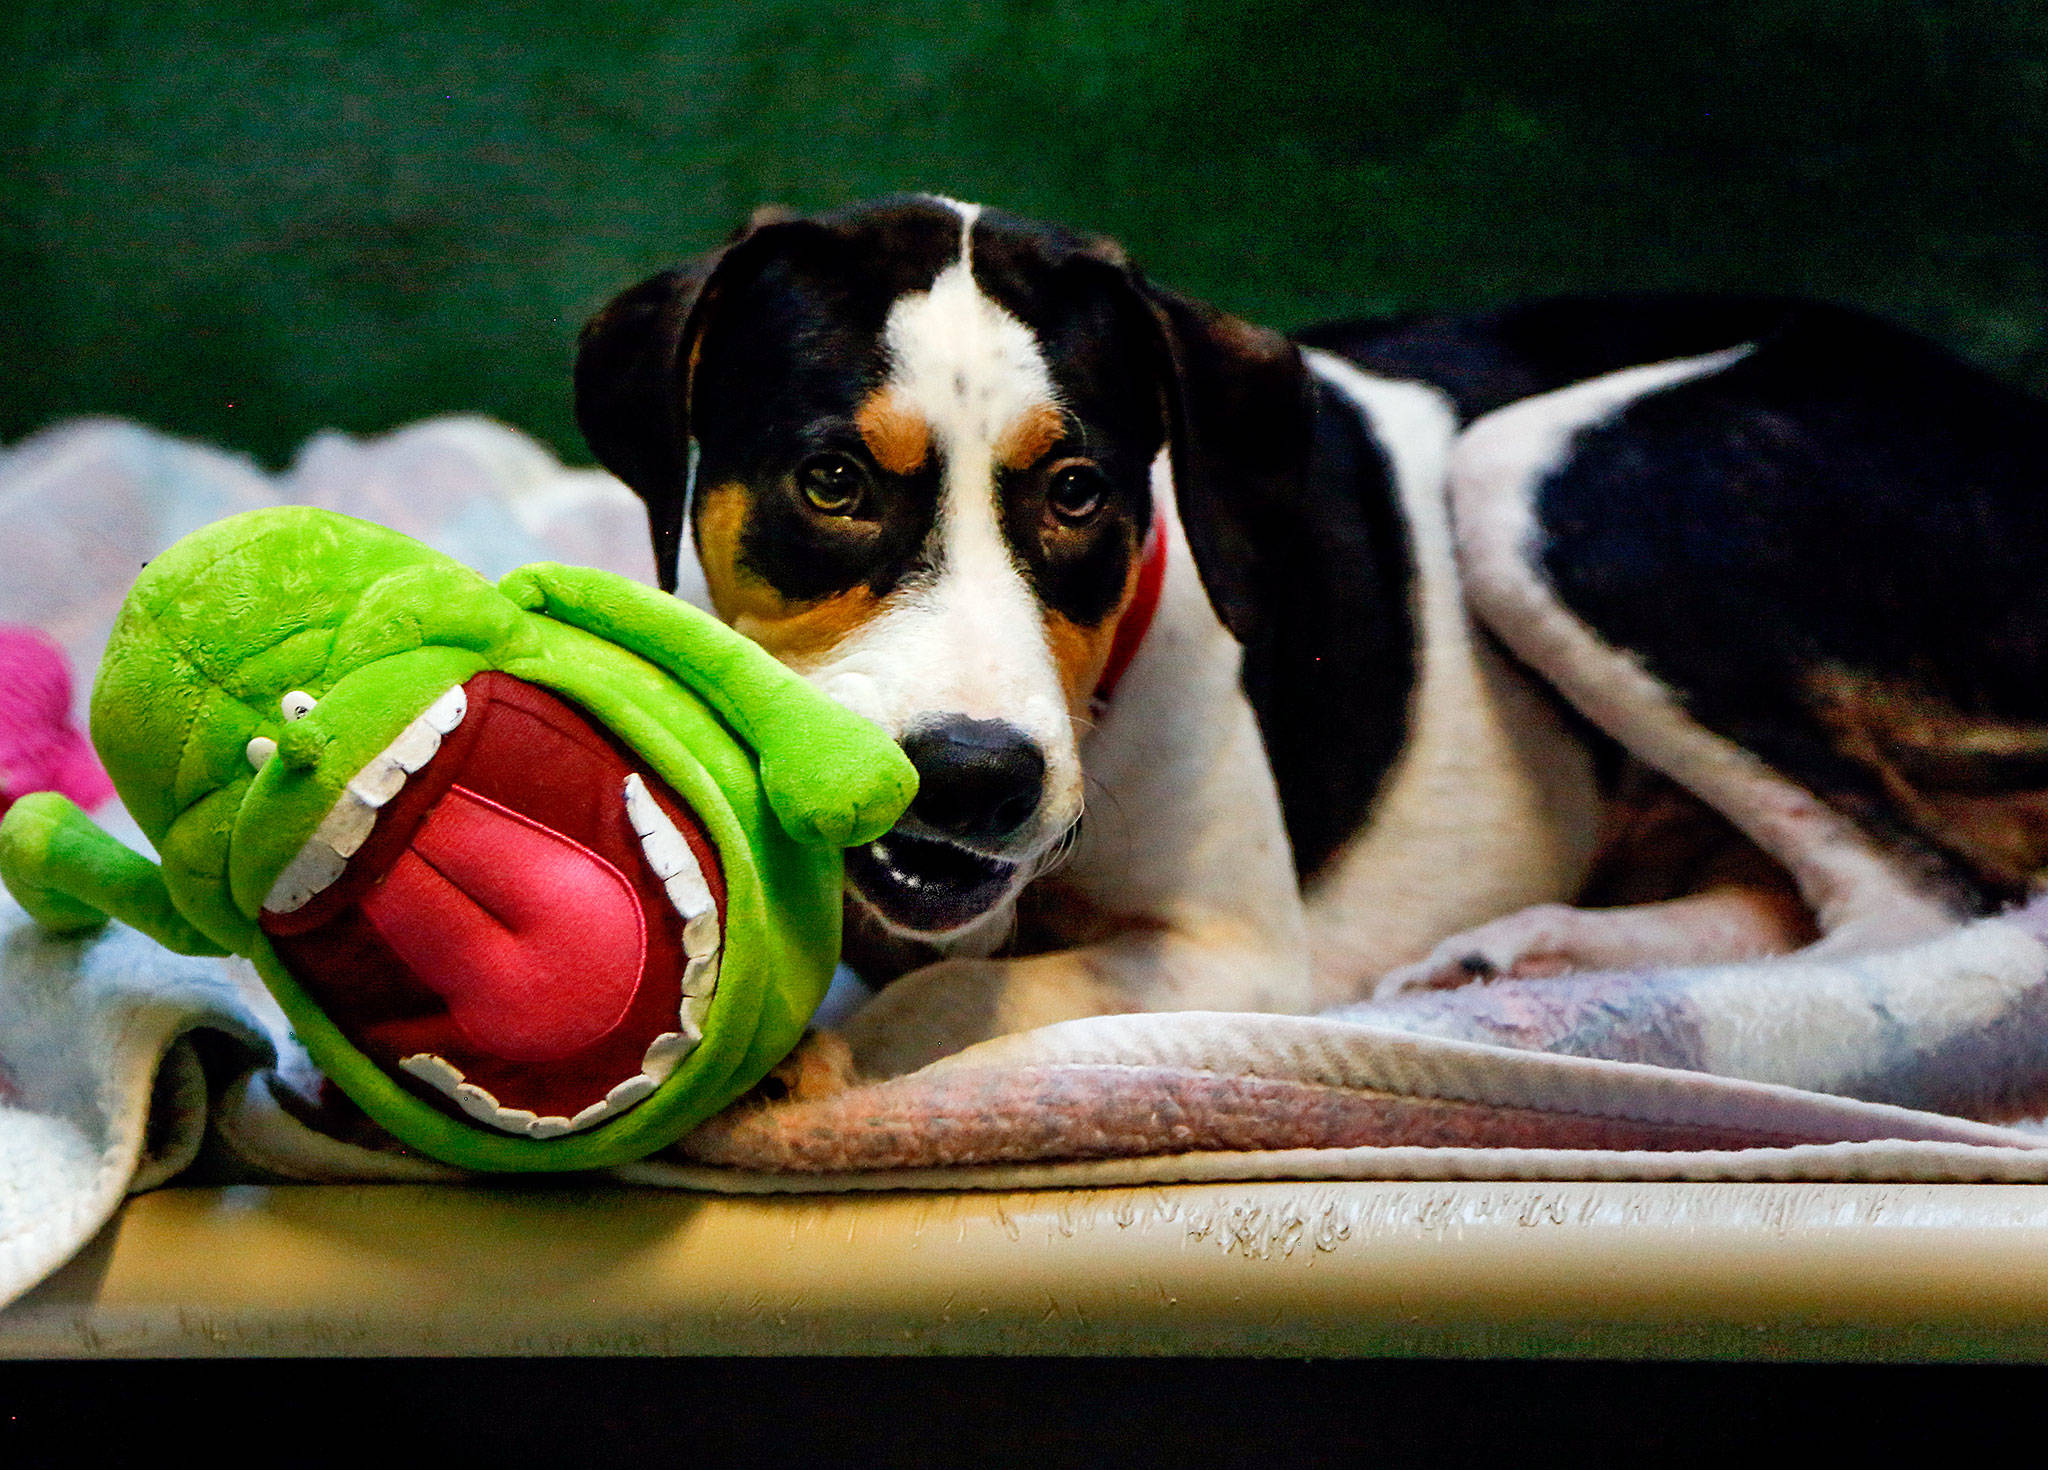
x,y
247,221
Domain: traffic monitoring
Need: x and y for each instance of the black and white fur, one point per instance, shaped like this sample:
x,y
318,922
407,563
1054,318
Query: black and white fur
x,y
1432,588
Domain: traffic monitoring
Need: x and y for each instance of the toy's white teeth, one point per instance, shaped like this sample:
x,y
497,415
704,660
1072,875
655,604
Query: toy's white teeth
x,y
676,865
664,1054
348,822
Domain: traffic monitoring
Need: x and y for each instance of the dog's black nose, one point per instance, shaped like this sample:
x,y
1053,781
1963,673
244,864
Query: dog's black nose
x,y
977,780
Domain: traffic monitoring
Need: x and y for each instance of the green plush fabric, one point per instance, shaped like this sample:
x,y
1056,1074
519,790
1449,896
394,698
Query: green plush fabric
x,y
375,627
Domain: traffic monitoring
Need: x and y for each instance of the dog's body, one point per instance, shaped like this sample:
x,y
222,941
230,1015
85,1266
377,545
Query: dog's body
x,y
1080,543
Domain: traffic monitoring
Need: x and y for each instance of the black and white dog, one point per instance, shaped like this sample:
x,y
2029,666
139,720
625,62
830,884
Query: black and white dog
x,y
1364,653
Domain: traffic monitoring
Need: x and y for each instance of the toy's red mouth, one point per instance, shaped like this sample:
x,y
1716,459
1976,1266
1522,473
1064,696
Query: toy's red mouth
x,y
509,910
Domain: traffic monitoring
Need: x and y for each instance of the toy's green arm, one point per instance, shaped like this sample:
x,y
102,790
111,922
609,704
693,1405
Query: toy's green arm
x,y
833,778
71,876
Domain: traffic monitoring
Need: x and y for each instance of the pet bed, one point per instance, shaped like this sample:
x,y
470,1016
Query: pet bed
x,y
123,1068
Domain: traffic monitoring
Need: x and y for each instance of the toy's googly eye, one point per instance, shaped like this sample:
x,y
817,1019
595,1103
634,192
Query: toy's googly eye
x,y
297,704
259,750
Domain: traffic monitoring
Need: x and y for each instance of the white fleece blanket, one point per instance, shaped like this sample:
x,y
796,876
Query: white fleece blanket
x,y
121,1064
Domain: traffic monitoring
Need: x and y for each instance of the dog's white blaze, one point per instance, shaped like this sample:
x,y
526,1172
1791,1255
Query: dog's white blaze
x,y
968,641
1858,895
1489,807
965,364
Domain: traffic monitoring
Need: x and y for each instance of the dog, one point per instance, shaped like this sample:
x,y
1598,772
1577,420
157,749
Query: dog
x,y
1243,671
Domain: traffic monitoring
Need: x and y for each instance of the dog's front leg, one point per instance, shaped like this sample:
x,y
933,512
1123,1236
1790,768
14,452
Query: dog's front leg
x,y
1196,911
952,1004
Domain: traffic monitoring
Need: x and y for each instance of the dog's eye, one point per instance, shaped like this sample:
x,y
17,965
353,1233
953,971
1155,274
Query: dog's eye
x,y
1076,492
834,484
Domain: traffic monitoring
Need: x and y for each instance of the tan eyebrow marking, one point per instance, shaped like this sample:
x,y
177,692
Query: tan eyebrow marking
x,y
895,433
1030,437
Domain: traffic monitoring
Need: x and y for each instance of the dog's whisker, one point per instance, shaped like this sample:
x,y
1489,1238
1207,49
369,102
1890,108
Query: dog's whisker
x,y
1059,853
1117,811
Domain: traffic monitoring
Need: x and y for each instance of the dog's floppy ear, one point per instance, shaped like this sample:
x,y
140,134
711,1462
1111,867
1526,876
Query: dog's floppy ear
x,y
629,400
634,363
1239,415
1239,411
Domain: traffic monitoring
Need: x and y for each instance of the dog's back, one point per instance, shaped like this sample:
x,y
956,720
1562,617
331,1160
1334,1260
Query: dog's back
x,y
1831,549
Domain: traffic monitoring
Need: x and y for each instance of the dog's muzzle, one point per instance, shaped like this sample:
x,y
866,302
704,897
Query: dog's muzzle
x,y
980,783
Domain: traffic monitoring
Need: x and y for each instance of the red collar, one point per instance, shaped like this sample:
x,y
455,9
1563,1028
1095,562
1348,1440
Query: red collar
x,y
1137,618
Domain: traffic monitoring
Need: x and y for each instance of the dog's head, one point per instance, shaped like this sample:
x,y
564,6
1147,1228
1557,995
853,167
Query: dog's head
x,y
913,443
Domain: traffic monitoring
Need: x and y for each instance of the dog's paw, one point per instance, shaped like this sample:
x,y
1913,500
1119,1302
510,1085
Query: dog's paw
x,y
1534,943
821,1065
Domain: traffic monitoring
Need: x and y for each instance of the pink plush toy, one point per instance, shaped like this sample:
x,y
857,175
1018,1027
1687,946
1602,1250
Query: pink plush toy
x,y
40,750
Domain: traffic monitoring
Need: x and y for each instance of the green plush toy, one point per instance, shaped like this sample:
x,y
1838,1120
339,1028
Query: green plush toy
x,y
542,874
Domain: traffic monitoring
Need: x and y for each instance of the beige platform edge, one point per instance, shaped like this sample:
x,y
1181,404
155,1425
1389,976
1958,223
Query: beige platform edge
x,y
1656,1270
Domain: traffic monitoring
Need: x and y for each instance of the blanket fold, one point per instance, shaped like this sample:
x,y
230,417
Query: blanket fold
x,y
102,1089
